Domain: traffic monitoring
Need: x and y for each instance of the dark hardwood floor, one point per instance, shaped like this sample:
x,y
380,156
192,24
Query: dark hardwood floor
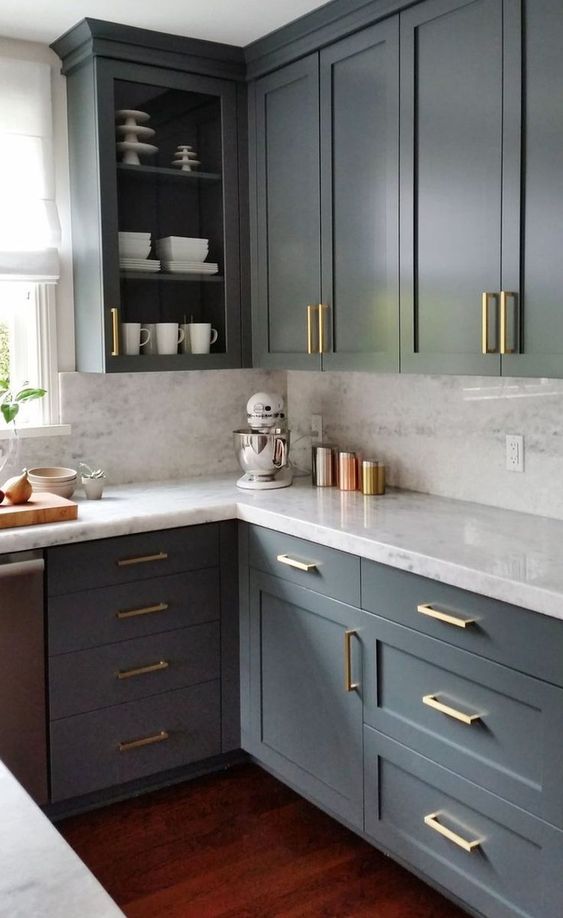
x,y
239,844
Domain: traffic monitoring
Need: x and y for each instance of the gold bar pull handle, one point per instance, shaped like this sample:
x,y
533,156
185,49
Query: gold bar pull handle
x,y
310,343
142,559
321,307
114,332
426,608
307,566
348,684
505,295
143,670
433,702
144,741
143,610
486,297
431,820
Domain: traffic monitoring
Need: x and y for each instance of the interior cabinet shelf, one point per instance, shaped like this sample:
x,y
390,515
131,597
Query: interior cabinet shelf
x,y
162,173
162,276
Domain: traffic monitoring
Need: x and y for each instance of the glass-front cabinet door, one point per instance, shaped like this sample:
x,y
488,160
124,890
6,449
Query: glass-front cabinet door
x,y
169,222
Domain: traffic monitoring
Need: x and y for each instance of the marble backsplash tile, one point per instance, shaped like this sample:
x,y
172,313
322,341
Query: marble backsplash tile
x,y
150,426
443,435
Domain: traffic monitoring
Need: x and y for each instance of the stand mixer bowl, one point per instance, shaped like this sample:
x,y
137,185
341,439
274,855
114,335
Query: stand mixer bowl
x,y
262,453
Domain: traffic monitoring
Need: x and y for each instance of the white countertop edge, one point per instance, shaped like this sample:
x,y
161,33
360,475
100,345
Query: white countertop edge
x,y
216,500
41,875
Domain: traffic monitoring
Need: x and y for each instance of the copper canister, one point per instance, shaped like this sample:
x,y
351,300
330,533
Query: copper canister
x,y
324,465
347,471
373,477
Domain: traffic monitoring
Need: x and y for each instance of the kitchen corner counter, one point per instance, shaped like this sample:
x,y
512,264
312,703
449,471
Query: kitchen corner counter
x,y
514,557
41,875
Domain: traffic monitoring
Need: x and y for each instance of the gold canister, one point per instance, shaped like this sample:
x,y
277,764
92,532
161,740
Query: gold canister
x,y
373,477
347,470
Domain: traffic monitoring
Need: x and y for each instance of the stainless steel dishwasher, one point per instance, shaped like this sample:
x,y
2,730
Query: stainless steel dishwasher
x,y
23,739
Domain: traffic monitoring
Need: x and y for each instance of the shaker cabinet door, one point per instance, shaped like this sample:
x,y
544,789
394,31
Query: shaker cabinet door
x,y
451,184
305,718
285,216
535,317
359,91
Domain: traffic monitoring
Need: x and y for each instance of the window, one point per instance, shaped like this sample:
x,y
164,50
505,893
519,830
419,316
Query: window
x,y
28,346
29,235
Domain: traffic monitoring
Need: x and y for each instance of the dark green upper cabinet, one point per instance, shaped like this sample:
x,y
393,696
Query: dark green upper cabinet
x,y
535,308
285,216
454,57
172,80
325,207
359,89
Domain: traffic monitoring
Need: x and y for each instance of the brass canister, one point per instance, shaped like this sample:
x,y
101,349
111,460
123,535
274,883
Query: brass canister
x,y
373,477
347,470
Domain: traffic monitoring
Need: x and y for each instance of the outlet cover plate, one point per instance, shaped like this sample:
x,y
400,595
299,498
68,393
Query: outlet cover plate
x,y
514,453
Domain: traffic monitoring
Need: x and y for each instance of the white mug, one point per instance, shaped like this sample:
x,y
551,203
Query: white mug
x,y
150,347
202,336
132,337
168,337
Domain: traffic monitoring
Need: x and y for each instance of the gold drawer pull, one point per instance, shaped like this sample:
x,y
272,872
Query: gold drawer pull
x,y
348,684
300,565
144,741
432,821
426,608
433,702
144,610
142,670
143,559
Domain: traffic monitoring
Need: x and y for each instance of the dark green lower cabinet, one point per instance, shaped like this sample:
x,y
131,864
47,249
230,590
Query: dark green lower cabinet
x,y
495,857
447,757
304,719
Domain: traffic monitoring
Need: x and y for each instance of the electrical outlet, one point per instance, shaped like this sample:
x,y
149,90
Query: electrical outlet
x,y
514,453
317,428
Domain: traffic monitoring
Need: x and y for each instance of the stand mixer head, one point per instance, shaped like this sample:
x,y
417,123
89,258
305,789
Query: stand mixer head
x,y
262,448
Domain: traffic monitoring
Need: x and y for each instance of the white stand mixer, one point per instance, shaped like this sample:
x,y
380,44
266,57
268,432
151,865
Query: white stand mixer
x,y
262,448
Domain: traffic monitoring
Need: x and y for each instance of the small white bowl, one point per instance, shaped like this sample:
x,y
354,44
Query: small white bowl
x,y
51,475
62,489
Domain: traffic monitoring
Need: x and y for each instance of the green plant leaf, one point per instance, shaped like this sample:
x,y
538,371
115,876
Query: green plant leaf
x,y
9,411
27,395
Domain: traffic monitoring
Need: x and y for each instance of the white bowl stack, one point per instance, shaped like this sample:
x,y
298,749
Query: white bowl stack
x,y
185,255
134,249
53,480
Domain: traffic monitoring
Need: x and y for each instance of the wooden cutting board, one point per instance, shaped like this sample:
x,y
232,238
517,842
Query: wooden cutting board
x,y
40,508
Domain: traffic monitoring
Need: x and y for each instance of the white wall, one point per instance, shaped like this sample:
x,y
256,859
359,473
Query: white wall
x,y
25,50
442,434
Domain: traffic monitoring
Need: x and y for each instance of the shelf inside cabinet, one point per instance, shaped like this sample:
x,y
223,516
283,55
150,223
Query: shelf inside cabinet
x,y
163,276
162,173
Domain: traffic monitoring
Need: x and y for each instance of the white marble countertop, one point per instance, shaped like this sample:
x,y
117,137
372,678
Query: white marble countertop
x,y
41,876
515,557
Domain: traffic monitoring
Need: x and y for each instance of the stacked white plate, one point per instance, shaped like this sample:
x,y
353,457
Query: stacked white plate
x,y
134,249
185,255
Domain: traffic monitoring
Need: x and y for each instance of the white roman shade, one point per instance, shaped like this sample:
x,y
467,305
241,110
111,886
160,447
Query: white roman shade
x,y
29,224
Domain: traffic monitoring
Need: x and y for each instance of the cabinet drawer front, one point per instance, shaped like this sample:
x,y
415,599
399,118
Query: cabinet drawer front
x,y
89,565
514,869
90,618
325,570
524,640
115,673
85,750
486,722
